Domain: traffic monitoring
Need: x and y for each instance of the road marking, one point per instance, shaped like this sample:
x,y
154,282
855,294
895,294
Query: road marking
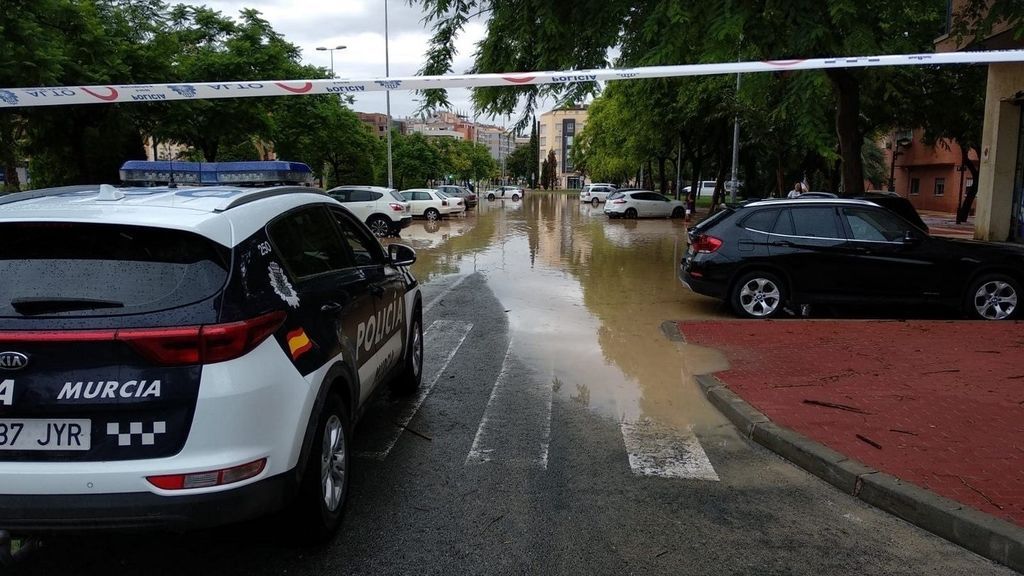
x,y
656,450
444,293
477,453
516,424
448,336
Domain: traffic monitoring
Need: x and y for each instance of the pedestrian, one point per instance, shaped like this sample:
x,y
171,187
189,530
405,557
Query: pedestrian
x,y
797,190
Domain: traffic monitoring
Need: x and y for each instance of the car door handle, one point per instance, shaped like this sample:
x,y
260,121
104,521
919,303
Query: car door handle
x,y
330,307
783,243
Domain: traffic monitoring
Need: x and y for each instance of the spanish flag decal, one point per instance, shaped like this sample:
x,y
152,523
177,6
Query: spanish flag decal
x,y
299,343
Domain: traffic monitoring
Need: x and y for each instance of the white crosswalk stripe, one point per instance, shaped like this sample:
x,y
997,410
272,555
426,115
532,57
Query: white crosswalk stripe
x,y
516,424
441,341
656,450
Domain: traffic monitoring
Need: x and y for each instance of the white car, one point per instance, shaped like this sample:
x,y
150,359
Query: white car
x,y
431,204
205,356
643,204
597,193
382,209
707,188
513,192
457,204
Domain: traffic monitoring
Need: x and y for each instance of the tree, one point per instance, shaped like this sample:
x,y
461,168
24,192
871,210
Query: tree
x,y
521,163
577,34
551,181
415,160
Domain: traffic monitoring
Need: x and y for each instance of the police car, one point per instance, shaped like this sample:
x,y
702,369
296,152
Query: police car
x,y
194,353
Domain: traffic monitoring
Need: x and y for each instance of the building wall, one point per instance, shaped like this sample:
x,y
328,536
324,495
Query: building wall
x,y
1000,198
552,137
928,165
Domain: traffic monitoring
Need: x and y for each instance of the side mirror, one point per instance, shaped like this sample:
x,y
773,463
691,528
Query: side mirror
x,y
401,255
911,238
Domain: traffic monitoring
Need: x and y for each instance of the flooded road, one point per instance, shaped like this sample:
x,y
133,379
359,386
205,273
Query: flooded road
x,y
585,298
557,431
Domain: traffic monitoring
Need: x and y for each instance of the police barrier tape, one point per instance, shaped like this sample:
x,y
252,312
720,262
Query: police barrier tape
x,y
62,95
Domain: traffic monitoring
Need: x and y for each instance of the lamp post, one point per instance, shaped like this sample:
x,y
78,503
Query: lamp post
x,y
901,143
331,50
387,95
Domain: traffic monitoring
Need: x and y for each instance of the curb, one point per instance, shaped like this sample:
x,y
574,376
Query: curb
x,y
985,535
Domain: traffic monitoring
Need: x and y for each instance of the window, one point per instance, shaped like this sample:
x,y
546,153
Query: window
x,y
308,243
875,225
940,186
915,186
818,222
422,196
130,269
365,250
762,220
784,225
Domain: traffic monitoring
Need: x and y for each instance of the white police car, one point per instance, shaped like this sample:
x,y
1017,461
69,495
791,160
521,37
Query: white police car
x,y
184,356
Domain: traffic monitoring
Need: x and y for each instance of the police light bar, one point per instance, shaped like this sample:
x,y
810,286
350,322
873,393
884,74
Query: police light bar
x,y
262,173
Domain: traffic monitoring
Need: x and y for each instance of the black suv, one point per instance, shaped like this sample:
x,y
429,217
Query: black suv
x,y
763,256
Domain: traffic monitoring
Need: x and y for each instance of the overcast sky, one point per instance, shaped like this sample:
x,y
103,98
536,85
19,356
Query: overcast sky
x,y
359,25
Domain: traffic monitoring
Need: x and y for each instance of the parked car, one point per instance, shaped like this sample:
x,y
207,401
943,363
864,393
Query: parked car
x,y
382,209
889,200
468,197
179,357
596,193
642,204
764,256
513,192
431,204
454,203
707,188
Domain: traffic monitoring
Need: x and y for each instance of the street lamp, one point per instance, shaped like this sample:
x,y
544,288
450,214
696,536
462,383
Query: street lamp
x,y
331,50
900,143
387,95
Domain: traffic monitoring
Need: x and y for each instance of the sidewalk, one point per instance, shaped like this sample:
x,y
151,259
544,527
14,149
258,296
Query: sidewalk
x,y
943,224
937,404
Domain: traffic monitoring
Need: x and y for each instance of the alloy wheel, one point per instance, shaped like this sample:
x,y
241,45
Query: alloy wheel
x,y
332,463
379,228
995,300
760,297
417,350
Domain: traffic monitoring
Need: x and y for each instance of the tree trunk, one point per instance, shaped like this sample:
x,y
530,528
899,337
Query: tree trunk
x,y
779,178
964,211
851,140
663,184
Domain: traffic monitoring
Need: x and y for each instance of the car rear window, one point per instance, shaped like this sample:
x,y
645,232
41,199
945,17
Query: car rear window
x,y
81,269
762,220
397,196
616,195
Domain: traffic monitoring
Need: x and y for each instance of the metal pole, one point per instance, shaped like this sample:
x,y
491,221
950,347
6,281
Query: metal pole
x,y
735,149
679,169
387,96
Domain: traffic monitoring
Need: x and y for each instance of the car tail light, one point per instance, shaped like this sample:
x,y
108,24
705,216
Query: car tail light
x,y
172,346
209,478
705,244
619,201
397,207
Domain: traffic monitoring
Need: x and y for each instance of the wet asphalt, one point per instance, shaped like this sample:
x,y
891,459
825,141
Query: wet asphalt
x,y
521,456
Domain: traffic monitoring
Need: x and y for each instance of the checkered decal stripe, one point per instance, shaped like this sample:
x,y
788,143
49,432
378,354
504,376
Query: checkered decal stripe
x,y
127,438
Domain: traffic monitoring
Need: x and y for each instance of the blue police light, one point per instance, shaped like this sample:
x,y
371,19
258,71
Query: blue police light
x,y
262,173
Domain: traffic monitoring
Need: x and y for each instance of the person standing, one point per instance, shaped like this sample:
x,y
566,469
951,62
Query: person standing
x,y
797,190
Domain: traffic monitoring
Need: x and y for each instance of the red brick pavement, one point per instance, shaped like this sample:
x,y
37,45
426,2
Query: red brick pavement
x,y
943,401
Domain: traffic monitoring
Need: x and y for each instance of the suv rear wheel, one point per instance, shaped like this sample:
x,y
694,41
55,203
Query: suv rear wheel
x,y
594,201
324,490
758,295
412,373
993,297
380,226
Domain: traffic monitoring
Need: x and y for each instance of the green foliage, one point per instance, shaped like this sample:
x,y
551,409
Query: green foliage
x,y
521,163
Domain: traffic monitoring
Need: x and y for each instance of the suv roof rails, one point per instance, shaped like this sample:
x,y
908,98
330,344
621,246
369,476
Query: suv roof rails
x,y
44,192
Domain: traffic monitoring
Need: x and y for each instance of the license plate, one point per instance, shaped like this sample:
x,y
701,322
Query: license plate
x,y
38,434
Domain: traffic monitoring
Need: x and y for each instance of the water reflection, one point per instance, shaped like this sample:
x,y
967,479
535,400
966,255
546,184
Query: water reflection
x,y
586,297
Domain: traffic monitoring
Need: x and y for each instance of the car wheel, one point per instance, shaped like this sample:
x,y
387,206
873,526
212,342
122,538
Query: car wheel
x,y
324,490
993,297
490,196
758,295
380,226
515,197
595,202
432,215
631,213
679,212
412,373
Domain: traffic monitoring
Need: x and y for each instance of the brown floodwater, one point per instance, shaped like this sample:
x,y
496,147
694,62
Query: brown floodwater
x,y
586,297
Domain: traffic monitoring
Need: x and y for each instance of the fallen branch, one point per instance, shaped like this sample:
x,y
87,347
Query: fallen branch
x,y
898,431
940,372
844,407
869,441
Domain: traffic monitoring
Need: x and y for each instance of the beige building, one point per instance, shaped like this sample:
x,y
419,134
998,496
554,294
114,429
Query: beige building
x,y
999,214
557,131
